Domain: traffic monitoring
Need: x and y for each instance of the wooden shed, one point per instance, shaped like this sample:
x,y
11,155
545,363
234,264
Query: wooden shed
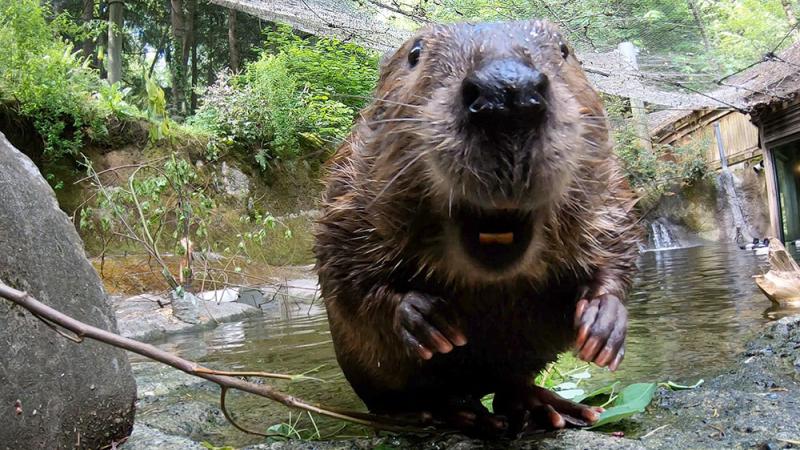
x,y
764,125
727,133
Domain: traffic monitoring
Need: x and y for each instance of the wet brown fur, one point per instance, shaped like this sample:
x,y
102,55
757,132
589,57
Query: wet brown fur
x,y
386,227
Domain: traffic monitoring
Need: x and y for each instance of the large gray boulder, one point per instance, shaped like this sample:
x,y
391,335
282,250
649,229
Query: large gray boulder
x,y
54,393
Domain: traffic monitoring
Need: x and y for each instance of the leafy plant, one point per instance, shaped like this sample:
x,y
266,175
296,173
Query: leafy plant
x,y
568,377
292,429
45,79
299,99
112,99
160,123
631,400
161,202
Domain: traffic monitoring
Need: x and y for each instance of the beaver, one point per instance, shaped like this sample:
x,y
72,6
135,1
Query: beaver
x,y
475,224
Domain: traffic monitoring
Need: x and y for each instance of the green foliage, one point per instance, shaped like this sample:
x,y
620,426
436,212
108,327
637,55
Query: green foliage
x,y
343,71
45,79
160,123
653,171
744,30
258,111
631,400
292,429
300,97
568,377
162,201
113,100
210,446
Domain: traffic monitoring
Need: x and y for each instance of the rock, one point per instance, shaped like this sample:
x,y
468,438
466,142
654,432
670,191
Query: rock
x,y
251,296
224,295
142,318
147,438
300,290
184,307
66,392
234,182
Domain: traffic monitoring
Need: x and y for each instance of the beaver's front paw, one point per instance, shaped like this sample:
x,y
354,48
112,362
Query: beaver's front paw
x,y
427,326
601,323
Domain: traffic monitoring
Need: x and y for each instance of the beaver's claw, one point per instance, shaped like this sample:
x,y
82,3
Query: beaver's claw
x,y
601,323
426,326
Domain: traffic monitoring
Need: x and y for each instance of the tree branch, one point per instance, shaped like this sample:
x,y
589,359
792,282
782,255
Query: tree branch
x,y
83,330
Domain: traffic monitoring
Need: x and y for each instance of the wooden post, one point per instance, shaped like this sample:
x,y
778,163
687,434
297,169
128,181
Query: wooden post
x,y
773,198
629,51
115,22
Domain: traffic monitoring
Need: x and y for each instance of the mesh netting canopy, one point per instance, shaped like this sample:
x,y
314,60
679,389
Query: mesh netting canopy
x,y
654,80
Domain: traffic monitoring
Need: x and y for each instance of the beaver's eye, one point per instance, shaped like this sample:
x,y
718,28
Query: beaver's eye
x,y
564,50
414,54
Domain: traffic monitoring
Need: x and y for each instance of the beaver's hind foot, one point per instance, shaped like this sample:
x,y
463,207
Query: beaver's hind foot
x,y
530,408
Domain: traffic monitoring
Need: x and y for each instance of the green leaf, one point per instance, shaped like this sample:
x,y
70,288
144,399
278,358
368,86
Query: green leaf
x,y
583,375
602,393
487,400
633,399
571,394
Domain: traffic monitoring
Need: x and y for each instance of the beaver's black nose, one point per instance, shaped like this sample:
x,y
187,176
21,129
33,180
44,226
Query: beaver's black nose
x,y
504,89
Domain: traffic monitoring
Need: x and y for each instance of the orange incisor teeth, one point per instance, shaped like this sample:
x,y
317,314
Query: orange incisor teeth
x,y
496,238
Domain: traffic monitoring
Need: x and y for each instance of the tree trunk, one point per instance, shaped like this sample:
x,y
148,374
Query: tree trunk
x,y
115,22
788,8
183,35
698,20
178,22
210,50
103,38
193,104
233,46
86,17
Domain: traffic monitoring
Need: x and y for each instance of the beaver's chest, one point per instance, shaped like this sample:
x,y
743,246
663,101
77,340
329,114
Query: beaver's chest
x,y
509,331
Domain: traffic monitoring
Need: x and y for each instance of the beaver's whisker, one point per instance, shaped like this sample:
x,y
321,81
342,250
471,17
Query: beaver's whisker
x,y
450,204
397,120
397,176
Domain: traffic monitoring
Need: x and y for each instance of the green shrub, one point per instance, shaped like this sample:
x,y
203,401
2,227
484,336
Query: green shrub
x,y
258,111
45,80
658,170
299,99
345,72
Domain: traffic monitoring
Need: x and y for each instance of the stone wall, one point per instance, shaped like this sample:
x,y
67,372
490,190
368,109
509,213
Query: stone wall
x,y
702,212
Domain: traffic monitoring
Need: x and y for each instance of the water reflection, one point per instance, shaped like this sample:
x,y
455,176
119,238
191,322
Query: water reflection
x,y
691,311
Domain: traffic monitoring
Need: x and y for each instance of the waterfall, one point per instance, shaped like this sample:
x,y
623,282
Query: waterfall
x,y
735,205
662,236
726,181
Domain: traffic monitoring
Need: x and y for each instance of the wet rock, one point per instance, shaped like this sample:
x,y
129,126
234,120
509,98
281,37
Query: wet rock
x,y
147,438
53,393
184,307
148,316
225,295
300,290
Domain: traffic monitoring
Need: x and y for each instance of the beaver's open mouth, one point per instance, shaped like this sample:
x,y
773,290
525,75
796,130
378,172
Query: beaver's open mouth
x,y
495,239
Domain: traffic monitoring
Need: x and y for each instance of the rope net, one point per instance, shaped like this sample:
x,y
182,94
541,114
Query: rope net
x,y
675,70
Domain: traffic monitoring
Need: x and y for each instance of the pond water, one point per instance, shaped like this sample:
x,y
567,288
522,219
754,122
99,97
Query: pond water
x,y
691,312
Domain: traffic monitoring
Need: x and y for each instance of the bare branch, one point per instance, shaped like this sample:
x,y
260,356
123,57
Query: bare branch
x,y
83,330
